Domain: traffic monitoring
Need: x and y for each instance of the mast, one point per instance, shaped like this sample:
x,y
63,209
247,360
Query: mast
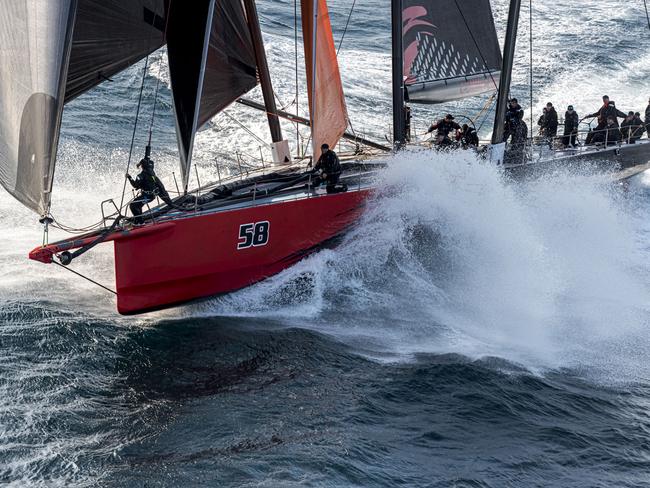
x,y
506,71
314,76
263,69
399,122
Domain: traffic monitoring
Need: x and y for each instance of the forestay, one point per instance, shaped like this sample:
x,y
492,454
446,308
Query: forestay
x,y
451,50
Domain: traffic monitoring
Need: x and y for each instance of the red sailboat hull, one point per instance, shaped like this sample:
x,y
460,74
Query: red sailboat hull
x,y
204,255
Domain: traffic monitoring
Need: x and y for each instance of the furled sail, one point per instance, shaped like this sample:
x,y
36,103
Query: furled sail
x,y
111,35
35,38
329,117
451,50
211,64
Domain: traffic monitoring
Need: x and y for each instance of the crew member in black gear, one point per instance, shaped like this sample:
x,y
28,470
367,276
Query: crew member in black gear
x,y
514,114
626,127
638,128
330,167
571,122
444,127
632,127
647,118
150,187
551,123
611,134
467,137
516,152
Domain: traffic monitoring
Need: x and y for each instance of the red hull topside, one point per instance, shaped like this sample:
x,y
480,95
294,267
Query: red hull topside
x,y
172,262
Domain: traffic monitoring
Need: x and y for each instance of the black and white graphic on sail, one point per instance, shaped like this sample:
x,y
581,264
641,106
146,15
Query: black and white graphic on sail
x,y
451,50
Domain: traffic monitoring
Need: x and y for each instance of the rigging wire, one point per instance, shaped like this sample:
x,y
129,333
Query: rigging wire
x,y
135,126
85,277
484,111
259,139
155,96
530,28
647,15
137,113
496,86
346,27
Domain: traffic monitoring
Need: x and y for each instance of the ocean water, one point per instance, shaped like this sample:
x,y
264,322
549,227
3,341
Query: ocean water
x,y
469,332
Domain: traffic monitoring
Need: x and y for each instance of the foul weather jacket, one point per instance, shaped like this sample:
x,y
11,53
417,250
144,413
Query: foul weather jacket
x,y
444,127
571,122
550,122
329,163
607,111
149,184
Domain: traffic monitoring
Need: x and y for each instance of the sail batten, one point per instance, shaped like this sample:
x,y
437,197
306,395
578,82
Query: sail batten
x,y
451,50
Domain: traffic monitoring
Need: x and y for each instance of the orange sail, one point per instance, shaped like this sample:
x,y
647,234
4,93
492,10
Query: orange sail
x,y
329,116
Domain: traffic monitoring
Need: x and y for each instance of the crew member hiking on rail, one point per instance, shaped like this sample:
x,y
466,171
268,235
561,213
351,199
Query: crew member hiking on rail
x,y
444,127
150,187
330,167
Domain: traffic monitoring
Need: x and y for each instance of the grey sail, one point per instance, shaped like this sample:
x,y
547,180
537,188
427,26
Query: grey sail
x,y
34,50
451,50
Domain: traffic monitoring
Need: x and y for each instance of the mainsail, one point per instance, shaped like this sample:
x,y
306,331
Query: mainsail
x,y
451,50
329,117
34,49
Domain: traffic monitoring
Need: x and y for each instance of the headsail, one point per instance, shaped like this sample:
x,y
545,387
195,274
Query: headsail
x,y
329,117
230,70
211,64
111,35
188,34
35,43
451,50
